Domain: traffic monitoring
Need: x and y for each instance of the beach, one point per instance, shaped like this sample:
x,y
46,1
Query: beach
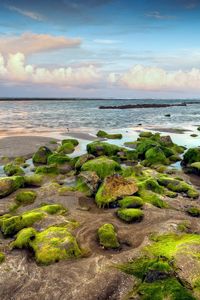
x,y
65,170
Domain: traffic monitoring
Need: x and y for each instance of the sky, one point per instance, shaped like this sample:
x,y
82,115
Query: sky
x,y
100,48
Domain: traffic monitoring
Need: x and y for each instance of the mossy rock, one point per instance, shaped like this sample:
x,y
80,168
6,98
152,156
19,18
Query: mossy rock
x,y
155,156
66,148
106,135
83,159
171,244
131,144
72,141
108,237
194,212
50,169
103,166
145,134
12,169
194,168
19,161
131,202
35,180
193,135
10,184
25,197
87,183
50,246
58,159
102,148
130,214
12,224
191,155
41,156
113,188
152,198
178,186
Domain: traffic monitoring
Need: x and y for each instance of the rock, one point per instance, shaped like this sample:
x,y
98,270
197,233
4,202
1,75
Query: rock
x,y
11,169
10,184
83,159
66,148
131,202
25,197
167,115
155,156
41,156
166,140
145,134
106,135
108,237
130,214
102,148
50,169
72,141
88,182
103,166
50,246
58,159
191,155
113,188
33,180
194,212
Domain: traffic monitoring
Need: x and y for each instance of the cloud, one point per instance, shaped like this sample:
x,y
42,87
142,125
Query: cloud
x,y
157,15
106,41
28,43
157,79
27,13
15,70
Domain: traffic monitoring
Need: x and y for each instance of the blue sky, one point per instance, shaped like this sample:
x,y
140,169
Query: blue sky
x,y
105,48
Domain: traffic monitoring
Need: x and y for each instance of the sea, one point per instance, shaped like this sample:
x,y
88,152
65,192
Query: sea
x,y
69,115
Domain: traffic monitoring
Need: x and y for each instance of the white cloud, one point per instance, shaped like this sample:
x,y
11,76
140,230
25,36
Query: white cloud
x,y
106,41
32,43
159,16
14,69
27,13
157,79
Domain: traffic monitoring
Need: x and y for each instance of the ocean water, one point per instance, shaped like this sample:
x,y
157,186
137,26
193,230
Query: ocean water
x,y
58,115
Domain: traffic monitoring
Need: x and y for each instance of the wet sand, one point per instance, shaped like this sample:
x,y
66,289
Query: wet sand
x,y
25,146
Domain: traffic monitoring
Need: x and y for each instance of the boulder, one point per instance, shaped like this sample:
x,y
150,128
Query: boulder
x,y
10,184
113,188
41,156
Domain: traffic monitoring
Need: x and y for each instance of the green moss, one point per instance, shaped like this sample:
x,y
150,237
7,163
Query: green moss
x,y
65,189
103,166
196,165
33,180
104,134
50,246
154,199
19,160
25,197
144,145
170,194
141,266
131,202
10,184
58,159
192,155
53,142
54,244
41,156
108,237
164,289
146,134
183,226
50,169
12,224
178,186
102,148
24,237
194,211
53,209
66,148
168,245
11,169
130,214
155,156
74,142
2,257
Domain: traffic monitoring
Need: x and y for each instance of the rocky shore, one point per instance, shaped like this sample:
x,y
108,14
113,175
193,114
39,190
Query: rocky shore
x,y
150,105
117,222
